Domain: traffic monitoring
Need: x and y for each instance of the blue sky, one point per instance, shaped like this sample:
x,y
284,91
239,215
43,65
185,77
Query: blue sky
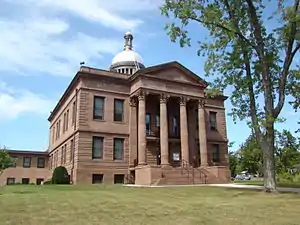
x,y
42,43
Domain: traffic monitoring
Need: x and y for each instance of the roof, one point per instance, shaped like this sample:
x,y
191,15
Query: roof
x,y
173,64
27,152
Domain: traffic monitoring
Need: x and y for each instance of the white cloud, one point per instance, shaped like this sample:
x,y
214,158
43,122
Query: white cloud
x,y
40,37
41,46
15,102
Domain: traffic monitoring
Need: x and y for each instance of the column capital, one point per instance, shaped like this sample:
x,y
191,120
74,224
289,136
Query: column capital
x,y
164,98
182,100
132,101
141,95
201,103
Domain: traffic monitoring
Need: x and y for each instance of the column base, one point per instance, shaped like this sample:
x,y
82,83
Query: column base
x,y
142,164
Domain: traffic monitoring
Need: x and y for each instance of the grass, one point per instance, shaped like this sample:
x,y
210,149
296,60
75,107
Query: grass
x,y
76,205
261,183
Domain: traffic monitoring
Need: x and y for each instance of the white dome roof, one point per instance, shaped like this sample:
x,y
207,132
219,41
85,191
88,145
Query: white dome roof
x,y
127,56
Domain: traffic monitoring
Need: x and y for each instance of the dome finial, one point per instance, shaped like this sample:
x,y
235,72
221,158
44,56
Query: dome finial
x,y
128,41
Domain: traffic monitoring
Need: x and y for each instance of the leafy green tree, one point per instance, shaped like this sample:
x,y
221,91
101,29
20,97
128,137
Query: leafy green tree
x,y
233,163
287,151
5,160
250,156
245,55
60,176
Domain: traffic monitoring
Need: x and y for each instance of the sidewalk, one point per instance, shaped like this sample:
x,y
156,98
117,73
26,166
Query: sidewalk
x,y
240,186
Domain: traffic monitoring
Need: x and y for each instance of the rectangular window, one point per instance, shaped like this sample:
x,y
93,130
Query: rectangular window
x,y
62,155
10,180
74,112
65,154
64,122
213,120
97,148
26,162
216,153
53,134
67,120
119,178
98,108
40,162
118,110
175,130
97,178
25,180
157,121
148,123
118,148
72,149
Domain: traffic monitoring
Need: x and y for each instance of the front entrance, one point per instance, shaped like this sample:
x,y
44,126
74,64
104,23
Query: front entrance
x,y
158,158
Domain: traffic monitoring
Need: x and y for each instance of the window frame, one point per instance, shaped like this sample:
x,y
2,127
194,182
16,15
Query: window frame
x,y
213,123
93,147
96,117
114,149
44,162
115,110
216,155
24,157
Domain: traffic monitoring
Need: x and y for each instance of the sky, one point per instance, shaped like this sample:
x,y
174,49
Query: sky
x,y
43,42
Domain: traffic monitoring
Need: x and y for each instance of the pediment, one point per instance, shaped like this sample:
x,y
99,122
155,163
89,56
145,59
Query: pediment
x,y
172,71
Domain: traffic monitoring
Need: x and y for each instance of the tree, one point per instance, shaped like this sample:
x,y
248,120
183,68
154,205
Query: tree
x,y
60,176
5,160
233,163
245,55
287,151
250,156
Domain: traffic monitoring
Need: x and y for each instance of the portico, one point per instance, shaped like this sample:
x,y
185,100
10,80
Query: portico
x,y
167,119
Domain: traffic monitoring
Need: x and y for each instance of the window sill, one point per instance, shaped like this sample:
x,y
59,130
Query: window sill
x,y
119,122
98,120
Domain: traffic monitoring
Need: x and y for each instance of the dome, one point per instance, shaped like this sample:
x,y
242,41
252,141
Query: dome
x,y
127,61
127,56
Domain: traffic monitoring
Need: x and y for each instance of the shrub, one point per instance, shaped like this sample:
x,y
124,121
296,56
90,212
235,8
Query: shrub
x,y
60,176
47,182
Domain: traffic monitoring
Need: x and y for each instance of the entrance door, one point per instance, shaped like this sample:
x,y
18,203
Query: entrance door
x,y
158,158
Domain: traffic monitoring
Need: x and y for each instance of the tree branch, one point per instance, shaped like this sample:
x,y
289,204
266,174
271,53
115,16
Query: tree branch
x,y
290,53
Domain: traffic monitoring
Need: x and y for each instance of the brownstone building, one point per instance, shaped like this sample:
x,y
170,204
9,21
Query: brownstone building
x,y
153,125
28,167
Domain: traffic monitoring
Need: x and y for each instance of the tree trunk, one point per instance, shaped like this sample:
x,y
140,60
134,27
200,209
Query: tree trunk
x,y
268,148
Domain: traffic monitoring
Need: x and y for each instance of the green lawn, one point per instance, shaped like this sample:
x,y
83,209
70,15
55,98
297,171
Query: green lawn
x,y
260,183
88,205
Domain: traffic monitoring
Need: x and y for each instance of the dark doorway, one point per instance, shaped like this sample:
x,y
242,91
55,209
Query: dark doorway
x,y
158,158
25,180
39,181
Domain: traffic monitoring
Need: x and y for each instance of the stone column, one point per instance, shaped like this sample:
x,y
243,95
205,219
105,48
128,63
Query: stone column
x,y
202,132
133,148
164,136
142,129
184,131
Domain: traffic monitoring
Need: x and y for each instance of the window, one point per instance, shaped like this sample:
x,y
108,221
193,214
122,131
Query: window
x,y
97,148
39,181
74,113
65,154
216,153
118,110
53,134
98,108
67,120
118,148
62,155
213,120
148,123
10,180
97,178
14,161
157,120
72,150
40,162
26,162
64,123
175,130
25,180
119,178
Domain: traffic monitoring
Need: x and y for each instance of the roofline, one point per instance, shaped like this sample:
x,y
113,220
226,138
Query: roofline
x,y
27,152
149,69
82,70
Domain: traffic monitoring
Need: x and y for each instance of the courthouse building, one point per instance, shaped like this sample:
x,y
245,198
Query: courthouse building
x,y
138,124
